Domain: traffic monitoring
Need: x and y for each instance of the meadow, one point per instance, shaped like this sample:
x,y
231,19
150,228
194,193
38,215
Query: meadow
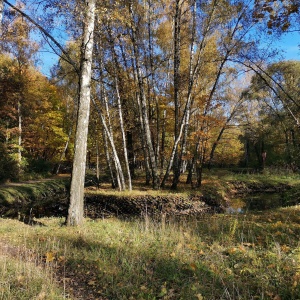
x,y
252,255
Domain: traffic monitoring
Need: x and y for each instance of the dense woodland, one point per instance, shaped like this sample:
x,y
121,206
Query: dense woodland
x,y
174,87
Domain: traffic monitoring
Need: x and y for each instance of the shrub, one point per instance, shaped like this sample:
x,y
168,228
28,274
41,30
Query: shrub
x,y
9,169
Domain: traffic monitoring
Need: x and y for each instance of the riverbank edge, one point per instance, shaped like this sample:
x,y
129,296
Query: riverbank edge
x,y
47,198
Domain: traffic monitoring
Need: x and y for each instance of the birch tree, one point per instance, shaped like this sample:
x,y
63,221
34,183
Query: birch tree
x,y
1,15
75,212
142,100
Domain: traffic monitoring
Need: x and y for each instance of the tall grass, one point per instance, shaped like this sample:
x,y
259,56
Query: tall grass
x,y
253,256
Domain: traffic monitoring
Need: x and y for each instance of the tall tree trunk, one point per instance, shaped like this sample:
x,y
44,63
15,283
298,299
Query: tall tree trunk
x,y
176,82
143,102
108,128
1,15
119,172
140,122
97,163
143,141
75,212
152,80
123,137
163,140
131,157
20,136
192,76
199,168
194,73
108,161
110,136
116,79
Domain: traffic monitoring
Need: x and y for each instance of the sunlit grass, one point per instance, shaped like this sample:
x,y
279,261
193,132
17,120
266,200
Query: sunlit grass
x,y
268,175
215,257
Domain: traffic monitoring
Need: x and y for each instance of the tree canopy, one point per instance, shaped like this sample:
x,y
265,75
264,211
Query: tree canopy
x,y
175,86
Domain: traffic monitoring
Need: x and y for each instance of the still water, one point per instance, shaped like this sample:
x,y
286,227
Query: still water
x,y
256,201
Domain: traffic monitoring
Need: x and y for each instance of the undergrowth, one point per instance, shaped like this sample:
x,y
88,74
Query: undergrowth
x,y
251,256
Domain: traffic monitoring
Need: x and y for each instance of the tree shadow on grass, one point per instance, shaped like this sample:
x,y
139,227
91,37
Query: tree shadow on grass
x,y
99,271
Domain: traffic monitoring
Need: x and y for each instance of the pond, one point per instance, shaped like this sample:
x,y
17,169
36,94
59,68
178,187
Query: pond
x,y
256,201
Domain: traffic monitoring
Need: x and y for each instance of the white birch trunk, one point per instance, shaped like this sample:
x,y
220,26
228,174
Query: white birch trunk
x,y
75,212
20,136
143,100
120,176
121,117
1,15
109,133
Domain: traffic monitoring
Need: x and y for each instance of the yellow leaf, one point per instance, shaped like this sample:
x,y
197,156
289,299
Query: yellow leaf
x,y
285,248
179,246
232,250
61,258
199,297
193,266
173,254
242,248
192,247
50,256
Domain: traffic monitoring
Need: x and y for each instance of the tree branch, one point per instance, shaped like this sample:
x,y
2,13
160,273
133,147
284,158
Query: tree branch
x,y
66,56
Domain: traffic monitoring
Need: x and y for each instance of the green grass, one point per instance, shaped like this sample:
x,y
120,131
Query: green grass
x,y
267,176
253,256
247,256
30,190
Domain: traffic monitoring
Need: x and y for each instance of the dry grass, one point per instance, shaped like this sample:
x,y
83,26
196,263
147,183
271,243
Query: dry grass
x,y
253,256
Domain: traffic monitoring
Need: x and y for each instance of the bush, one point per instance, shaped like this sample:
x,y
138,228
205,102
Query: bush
x,y
9,169
40,166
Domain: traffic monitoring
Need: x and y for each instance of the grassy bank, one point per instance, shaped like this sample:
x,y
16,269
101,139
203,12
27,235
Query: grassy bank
x,y
253,256
216,256
32,197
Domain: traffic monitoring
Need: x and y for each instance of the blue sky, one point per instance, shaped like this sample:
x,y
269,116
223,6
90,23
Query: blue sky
x,y
288,43
47,60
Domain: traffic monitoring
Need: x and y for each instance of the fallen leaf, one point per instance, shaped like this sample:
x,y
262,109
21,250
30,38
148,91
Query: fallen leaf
x,y
92,282
50,256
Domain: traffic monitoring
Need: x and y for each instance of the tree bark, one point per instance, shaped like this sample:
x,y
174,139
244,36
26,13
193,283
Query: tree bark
x,y
1,15
75,212
143,103
114,184
116,79
20,136
109,135
176,82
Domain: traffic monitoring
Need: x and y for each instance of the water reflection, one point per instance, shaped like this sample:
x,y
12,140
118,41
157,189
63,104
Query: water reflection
x,y
257,201
231,210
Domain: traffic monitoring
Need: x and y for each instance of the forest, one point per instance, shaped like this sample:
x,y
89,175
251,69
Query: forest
x,y
160,88
149,149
